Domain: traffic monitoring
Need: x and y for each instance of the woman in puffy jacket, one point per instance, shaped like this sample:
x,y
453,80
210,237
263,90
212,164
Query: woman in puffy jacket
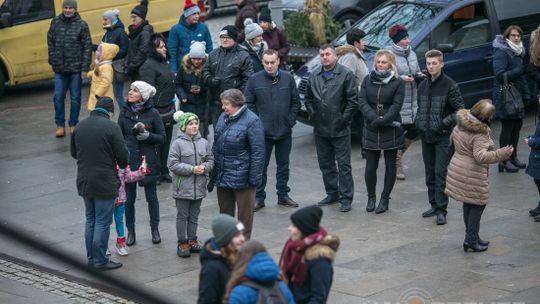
x,y
508,62
143,132
467,180
381,98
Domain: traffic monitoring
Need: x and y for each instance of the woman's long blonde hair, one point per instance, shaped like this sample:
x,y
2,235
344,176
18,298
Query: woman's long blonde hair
x,y
391,57
535,47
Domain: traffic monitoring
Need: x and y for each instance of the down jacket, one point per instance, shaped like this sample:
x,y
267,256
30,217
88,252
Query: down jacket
x,y
117,35
380,104
69,44
98,147
256,56
506,62
180,38
407,64
139,47
331,103
153,124
214,275
438,102
238,150
263,270
276,104
101,84
230,68
185,153
467,180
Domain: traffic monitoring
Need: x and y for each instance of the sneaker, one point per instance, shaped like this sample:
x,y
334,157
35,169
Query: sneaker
x,y
195,246
183,250
107,253
60,132
121,246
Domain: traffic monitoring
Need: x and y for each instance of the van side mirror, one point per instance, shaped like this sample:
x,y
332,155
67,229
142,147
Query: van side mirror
x,y
5,20
445,47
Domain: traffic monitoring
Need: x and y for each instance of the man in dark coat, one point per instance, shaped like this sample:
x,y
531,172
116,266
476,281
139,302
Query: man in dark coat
x,y
273,96
438,101
98,146
116,34
331,101
227,67
70,54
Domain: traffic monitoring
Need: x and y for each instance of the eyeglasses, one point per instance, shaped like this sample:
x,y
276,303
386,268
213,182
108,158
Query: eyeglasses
x,y
225,38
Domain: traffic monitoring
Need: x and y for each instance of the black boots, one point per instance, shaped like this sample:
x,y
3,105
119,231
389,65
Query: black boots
x,y
535,211
475,247
515,161
328,200
507,166
131,237
370,204
156,238
383,205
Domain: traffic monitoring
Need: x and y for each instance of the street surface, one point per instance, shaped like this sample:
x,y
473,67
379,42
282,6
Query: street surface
x,y
394,257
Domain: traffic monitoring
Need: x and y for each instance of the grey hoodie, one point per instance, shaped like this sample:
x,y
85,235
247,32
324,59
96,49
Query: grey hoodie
x,y
184,154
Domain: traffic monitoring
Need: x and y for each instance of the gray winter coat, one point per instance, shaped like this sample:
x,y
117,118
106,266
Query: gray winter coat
x,y
331,103
69,44
184,154
407,64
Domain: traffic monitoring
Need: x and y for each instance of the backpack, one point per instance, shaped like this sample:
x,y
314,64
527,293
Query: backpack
x,y
267,293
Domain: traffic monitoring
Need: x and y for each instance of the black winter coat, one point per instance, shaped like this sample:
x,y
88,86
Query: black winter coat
x,y
533,74
153,124
506,62
380,104
331,103
98,146
276,104
69,44
438,103
185,78
256,57
155,71
232,67
139,47
117,35
214,275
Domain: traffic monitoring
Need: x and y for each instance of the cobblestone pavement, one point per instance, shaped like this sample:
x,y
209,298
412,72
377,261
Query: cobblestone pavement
x,y
72,291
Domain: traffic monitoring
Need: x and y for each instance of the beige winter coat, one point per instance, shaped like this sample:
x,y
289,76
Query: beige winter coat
x,y
101,82
467,180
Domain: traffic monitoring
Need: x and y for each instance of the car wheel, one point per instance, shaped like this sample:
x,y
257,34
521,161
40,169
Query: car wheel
x,y
211,6
2,83
349,19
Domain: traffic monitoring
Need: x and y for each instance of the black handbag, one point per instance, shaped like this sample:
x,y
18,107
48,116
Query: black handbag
x,y
120,70
511,98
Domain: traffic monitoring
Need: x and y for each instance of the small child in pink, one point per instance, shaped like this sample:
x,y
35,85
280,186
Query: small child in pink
x,y
125,176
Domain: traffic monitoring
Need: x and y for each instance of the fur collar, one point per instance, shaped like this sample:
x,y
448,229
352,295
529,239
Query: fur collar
x,y
467,122
346,49
189,68
327,248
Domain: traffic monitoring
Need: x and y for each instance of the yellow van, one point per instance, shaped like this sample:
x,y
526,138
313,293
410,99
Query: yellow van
x,y
24,25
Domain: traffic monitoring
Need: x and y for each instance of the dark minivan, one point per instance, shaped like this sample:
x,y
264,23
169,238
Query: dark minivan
x,y
462,29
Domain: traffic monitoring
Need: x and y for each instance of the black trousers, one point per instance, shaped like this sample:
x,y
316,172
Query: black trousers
x,y
436,161
163,150
537,182
372,163
471,217
338,181
282,152
510,133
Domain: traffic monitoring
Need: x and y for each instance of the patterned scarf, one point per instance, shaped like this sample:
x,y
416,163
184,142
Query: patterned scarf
x,y
292,262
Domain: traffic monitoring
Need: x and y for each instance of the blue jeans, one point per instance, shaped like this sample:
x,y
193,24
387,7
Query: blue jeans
x,y
283,150
153,204
99,215
118,89
62,83
119,219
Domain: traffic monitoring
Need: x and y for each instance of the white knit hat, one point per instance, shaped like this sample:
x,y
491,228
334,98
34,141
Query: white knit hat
x,y
147,91
197,49
252,30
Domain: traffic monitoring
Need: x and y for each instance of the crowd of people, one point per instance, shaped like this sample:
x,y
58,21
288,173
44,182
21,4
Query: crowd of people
x,y
242,90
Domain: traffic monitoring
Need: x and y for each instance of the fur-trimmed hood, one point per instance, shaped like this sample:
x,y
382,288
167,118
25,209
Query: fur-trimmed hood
x,y
189,68
327,248
467,122
346,49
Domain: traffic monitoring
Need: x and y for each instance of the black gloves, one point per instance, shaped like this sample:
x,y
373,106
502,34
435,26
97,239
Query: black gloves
x,y
210,187
377,123
215,82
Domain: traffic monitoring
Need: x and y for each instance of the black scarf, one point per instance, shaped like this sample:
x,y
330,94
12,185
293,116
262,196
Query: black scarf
x,y
135,31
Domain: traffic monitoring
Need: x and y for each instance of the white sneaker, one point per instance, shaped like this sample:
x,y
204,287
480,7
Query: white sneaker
x,y
122,249
108,252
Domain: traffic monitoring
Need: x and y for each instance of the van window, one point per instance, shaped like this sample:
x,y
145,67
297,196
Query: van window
x,y
466,28
25,11
524,13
